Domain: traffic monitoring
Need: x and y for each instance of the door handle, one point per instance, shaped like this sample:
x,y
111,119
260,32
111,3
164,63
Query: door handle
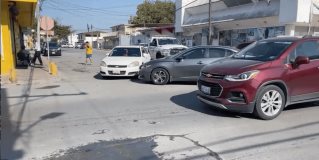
x,y
200,62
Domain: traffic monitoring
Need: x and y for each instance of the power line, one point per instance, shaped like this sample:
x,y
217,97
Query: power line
x,y
185,5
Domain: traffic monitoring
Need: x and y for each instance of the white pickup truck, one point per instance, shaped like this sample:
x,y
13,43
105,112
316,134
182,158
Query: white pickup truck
x,y
164,46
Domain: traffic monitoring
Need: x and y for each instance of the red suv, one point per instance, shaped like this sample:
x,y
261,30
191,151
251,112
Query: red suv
x,y
264,78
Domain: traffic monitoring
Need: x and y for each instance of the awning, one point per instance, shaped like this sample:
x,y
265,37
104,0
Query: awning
x,y
26,10
242,12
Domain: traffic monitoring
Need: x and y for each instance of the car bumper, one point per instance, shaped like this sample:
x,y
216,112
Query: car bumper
x,y
232,96
145,74
53,53
224,104
119,72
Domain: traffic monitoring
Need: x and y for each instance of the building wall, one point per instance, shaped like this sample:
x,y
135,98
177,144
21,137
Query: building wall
x,y
7,59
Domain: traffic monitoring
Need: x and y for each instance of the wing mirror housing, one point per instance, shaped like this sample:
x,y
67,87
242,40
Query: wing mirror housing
x,y
301,60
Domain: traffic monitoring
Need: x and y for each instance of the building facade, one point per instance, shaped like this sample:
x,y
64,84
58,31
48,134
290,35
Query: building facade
x,y
238,21
17,17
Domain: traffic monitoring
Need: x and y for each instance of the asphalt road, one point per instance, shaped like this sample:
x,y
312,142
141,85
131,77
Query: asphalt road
x,y
83,116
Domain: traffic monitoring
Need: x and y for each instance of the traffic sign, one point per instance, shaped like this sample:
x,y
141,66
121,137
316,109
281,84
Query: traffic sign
x,y
47,23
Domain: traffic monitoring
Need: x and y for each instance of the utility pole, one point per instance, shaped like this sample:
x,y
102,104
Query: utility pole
x,y
91,36
209,23
38,48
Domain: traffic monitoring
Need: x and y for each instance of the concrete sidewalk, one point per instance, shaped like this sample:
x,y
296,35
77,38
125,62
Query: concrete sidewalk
x,y
37,74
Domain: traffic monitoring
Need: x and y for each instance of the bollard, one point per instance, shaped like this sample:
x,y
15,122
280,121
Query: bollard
x,y
13,75
53,69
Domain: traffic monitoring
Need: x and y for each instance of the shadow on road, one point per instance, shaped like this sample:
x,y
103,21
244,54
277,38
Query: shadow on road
x,y
11,129
99,77
190,101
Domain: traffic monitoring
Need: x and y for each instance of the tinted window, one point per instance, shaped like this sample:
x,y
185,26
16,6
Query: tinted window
x,y
153,43
263,50
126,52
53,45
216,52
309,49
195,54
229,53
167,41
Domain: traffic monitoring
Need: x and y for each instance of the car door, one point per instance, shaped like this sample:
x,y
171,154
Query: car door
x,y
304,79
188,67
146,56
152,47
215,54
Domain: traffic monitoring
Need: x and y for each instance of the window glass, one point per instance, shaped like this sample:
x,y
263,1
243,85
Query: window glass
x,y
229,53
195,54
263,50
216,52
125,52
309,49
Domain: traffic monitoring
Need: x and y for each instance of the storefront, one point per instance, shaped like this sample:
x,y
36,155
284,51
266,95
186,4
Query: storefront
x,y
17,16
238,21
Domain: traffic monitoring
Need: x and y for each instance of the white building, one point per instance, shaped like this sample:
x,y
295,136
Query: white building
x,y
95,38
237,21
72,39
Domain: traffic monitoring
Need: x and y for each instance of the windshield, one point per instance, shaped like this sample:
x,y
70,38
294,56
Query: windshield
x,y
53,45
126,52
167,41
263,51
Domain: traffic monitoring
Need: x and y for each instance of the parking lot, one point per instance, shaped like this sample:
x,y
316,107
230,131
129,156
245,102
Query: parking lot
x,y
83,116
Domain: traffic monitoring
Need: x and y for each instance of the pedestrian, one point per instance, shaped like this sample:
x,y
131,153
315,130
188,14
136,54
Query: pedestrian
x,y
37,55
24,56
88,52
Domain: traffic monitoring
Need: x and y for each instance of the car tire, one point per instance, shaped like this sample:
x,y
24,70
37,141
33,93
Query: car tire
x,y
270,102
160,76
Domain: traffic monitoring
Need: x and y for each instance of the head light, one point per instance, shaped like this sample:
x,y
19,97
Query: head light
x,y
103,64
243,76
134,64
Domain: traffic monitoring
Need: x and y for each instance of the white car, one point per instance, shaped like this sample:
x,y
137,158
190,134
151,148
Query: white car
x,y
124,61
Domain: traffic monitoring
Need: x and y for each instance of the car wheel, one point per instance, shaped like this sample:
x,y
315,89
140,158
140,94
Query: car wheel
x,y
270,102
160,76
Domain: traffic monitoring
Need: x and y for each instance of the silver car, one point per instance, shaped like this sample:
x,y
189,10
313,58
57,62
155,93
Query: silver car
x,y
184,66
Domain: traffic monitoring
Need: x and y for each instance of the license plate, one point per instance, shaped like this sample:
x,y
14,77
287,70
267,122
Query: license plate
x,y
205,89
53,52
116,72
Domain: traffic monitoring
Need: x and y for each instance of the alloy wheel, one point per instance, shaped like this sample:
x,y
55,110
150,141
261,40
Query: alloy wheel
x,y
271,103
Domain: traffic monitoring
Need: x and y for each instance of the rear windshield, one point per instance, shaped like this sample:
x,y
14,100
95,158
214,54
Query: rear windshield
x,y
263,50
126,52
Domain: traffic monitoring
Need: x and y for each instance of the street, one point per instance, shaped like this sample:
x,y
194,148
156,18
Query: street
x,y
83,116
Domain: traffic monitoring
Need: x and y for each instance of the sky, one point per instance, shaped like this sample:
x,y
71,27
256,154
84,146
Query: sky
x,y
102,14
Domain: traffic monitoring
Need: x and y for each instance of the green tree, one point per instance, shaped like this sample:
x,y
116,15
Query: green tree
x,y
61,31
157,11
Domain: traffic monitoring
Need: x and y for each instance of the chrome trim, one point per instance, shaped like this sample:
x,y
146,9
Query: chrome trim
x,y
212,103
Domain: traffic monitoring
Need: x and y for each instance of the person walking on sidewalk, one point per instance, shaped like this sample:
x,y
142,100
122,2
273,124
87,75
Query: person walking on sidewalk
x,y
37,55
88,52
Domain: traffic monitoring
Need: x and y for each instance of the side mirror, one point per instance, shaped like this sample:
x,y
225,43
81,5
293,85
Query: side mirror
x,y
179,59
302,60
107,54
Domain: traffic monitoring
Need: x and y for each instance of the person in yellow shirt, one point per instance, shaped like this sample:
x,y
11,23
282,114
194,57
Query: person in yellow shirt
x,y
88,52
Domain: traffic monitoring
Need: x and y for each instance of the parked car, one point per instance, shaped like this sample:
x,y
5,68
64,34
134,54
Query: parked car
x,y
164,46
184,66
124,61
263,78
54,49
70,46
65,45
78,45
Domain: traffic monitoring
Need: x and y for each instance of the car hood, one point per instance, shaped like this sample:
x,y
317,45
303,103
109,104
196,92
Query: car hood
x,y
231,66
121,60
170,46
